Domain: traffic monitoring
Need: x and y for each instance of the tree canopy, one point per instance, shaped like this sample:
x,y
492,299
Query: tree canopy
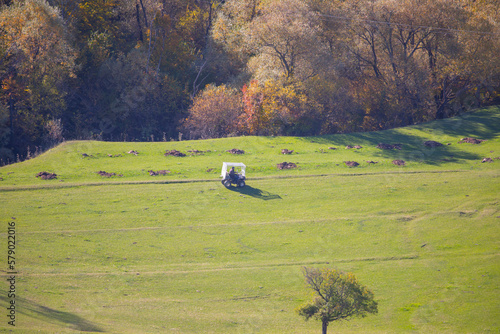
x,y
337,296
144,69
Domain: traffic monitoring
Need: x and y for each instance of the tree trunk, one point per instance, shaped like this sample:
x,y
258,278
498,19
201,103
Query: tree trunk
x,y
138,20
145,15
209,21
324,327
12,114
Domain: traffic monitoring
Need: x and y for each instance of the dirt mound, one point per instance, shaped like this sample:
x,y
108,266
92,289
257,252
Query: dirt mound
x,y
351,163
384,146
286,165
133,152
286,151
106,174
115,156
46,175
470,140
236,151
174,153
399,162
332,148
160,172
372,162
432,143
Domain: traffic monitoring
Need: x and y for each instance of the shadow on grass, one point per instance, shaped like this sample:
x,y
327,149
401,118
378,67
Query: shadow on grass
x,y
413,148
484,124
30,308
254,192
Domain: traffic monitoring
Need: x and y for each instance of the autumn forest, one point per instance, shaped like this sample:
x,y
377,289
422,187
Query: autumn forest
x,y
161,70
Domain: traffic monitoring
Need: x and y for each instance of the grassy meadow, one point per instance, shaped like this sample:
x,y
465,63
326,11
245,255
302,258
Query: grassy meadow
x,y
179,253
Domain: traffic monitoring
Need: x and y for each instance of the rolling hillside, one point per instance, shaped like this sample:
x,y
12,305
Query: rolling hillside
x,y
128,252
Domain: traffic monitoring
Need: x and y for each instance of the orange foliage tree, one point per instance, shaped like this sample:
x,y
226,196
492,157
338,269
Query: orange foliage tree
x,y
214,113
251,121
277,108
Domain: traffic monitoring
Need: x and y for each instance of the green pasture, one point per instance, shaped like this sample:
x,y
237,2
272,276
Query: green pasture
x,y
77,162
179,253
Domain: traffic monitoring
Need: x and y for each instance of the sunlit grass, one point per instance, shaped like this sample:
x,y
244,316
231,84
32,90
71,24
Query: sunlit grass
x,y
122,255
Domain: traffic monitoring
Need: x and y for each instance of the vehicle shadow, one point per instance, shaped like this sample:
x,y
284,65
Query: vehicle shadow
x,y
254,192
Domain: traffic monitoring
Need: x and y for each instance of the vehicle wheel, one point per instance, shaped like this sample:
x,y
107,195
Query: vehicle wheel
x,y
241,183
227,183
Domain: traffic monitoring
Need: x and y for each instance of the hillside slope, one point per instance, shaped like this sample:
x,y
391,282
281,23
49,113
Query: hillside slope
x,y
80,161
179,253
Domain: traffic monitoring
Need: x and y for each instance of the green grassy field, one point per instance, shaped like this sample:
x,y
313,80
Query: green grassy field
x,y
179,253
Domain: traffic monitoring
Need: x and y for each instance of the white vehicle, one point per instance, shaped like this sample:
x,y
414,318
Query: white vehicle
x,y
233,173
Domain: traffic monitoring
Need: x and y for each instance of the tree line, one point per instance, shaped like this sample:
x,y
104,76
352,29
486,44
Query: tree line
x,y
170,69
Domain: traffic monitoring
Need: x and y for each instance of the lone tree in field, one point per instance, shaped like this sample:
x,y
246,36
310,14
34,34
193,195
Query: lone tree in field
x,y
338,296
